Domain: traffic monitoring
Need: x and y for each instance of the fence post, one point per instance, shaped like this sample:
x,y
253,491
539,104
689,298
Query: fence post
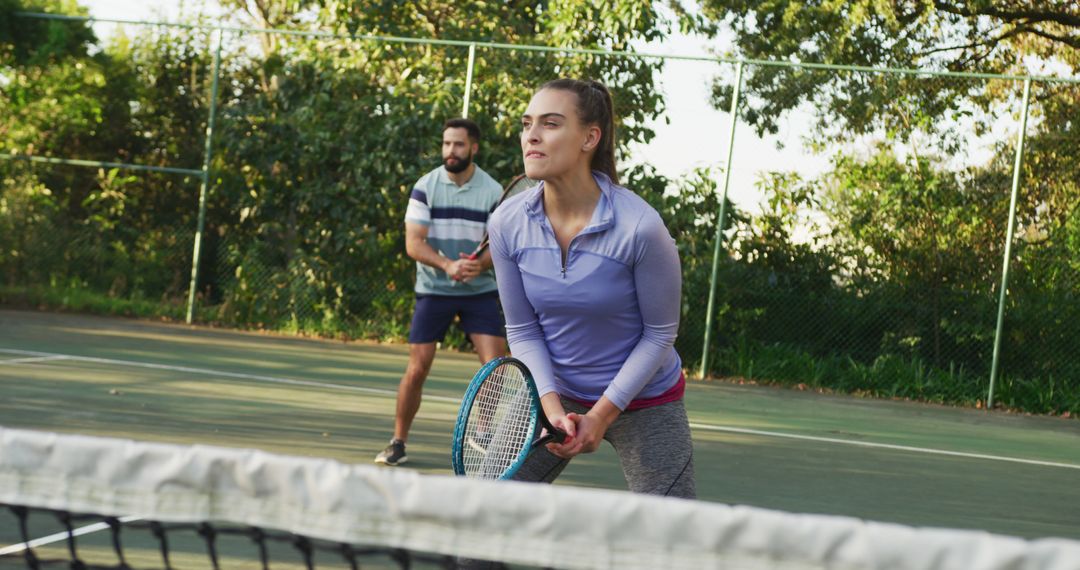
x,y
1008,242
720,221
204,186
468,81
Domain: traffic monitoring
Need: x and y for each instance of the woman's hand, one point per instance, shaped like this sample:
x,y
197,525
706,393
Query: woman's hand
x,y
556,414
588,429
569,447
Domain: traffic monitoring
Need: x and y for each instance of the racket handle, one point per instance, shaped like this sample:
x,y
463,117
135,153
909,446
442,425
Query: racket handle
x,y
479,250
554,434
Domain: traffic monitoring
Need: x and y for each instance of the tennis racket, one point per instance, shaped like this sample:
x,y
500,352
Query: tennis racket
x,y
519,184
498,422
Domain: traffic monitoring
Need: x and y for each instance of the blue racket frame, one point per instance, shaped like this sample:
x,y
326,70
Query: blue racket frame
x,y
457,450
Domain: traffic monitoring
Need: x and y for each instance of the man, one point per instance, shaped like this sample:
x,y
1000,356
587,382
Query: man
x,y
444,222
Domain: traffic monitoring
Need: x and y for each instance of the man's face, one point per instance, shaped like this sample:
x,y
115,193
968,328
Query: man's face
x,y
457,149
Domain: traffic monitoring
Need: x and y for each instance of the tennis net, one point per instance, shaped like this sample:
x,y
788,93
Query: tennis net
x,y
91,502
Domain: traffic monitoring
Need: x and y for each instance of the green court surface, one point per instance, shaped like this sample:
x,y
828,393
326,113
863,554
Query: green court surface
x,y
901,462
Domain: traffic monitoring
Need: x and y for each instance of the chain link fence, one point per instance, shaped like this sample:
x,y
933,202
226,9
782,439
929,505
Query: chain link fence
x,y
1040,342
89,255
879,274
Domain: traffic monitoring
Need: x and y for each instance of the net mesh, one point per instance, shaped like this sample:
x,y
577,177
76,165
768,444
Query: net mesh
x,y
322,510
131,543
501,423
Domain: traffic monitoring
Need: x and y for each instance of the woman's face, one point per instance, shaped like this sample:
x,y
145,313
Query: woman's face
x,y
554,142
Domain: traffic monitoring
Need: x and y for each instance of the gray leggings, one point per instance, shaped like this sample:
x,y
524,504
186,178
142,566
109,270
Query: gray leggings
x,y
653,445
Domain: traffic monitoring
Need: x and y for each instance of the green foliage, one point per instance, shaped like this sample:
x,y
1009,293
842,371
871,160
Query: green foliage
x,y
27,230
77,298
946,35
914,245
879,277
126,235
886,376
42,42
894,295
907,217
317,145
321,141
52,93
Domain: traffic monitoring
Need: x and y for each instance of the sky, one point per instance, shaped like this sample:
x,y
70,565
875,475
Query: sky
x,y
694,135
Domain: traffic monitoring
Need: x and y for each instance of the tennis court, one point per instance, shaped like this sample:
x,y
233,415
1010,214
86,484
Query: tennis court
x,y
901,462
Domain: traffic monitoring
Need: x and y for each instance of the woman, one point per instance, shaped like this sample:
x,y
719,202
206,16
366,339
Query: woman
x,y
590,283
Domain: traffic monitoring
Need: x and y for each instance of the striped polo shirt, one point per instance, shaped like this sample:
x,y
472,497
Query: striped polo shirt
x,y
456,217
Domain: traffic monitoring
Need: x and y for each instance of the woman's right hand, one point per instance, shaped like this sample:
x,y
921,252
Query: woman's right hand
x,y
570,446
553,409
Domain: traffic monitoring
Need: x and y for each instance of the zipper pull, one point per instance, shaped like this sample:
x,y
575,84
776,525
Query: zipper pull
x,y
564,272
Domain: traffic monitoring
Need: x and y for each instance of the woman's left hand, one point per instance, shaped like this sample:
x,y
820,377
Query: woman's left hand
x,y
590,432
591,427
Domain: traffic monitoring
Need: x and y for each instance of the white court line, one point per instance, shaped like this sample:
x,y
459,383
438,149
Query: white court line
x,y
929,450
33,360
45,540
700,426
209,372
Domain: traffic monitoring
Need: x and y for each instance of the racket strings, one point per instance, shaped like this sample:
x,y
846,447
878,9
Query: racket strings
x,y
519,186
500,424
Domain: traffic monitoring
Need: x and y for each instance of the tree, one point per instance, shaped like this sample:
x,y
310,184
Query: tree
x,y
981,36
139,101
318,138
53,100
323,137
905,217
37,42
984,36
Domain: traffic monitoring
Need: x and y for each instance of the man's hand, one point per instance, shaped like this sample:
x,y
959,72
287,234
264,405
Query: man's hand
x,y
464,269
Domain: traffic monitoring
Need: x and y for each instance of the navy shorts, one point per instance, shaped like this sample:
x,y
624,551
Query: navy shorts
x,y
434,313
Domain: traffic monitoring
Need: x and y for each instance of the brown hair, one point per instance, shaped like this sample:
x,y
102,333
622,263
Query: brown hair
x,y
470,127
594,107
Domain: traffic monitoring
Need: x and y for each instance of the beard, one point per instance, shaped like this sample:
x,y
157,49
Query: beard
x,y
456,164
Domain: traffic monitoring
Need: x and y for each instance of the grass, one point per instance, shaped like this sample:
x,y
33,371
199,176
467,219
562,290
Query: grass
x,y
895,377
74,298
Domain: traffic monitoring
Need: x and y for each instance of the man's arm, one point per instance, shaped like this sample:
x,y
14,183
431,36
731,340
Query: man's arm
x,y
417,247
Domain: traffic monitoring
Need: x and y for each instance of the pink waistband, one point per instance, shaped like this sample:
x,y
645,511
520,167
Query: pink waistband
x,y
670,395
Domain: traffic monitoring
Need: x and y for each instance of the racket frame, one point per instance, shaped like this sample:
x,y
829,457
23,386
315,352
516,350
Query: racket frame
x,y
507,192
536,413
